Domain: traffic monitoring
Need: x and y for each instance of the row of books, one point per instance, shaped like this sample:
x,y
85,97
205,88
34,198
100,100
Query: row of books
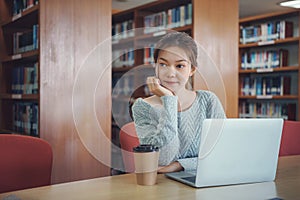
x,y
264,59
123,30
266,31
172,18
124,57
267,110
21,5
149,54
123,86
25,41
128,83
25,79
269,85
25,118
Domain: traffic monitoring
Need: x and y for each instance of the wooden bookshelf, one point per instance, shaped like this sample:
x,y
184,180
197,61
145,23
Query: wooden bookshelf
x,y
67,34
138,14
271,56
137,69
26,56
18,71
20,96
270,43
267,97
270,70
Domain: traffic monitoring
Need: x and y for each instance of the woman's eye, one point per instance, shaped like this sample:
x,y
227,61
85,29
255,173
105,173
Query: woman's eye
x,y
180,66
162,65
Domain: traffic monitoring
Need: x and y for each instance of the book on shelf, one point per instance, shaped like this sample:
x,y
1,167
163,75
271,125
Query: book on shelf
x,y
285,85
267,110
149,54
283,57
267,85
267,31
286,29
25,118
25,41
155,22
20,6
172,18
245,86
123,30
123,86
123,57
264,59
289,111
25,79
258,86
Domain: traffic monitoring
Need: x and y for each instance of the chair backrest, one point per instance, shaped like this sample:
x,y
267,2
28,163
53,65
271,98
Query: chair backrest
x,y
25,162
290,139
128,140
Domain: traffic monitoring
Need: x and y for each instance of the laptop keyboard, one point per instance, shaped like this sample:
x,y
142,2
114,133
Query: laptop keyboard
x,y
191,179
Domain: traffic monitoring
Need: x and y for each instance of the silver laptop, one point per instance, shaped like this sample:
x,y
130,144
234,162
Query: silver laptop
x,y
235,151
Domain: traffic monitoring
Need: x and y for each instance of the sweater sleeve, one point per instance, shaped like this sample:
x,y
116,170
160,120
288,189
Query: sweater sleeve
x,y
188,163
158,126
215,108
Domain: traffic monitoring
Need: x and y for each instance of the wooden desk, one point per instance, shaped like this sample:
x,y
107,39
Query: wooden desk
x,y
286,186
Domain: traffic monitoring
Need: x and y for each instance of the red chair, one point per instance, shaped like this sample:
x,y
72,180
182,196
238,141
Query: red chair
x,y
26,162
290,139
128,140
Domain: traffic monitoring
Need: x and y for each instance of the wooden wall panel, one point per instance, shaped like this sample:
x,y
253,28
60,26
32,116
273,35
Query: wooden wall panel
x,y
216,30
69,31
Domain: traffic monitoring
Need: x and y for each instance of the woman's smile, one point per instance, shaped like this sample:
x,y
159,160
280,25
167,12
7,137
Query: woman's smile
x,y
171,82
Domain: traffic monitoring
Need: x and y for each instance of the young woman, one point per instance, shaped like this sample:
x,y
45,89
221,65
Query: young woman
x,y
172,118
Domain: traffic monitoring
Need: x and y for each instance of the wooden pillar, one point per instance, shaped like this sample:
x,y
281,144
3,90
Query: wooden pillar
x,y
216,30
70,31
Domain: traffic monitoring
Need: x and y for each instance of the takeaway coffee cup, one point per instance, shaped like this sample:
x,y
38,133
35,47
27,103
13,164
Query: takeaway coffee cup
x,y
146,164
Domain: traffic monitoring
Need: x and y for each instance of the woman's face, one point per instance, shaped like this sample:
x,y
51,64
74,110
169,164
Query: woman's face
x,y
174,68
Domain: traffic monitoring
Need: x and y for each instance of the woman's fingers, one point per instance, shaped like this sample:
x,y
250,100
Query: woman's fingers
x,y
172,167
153,84
153,81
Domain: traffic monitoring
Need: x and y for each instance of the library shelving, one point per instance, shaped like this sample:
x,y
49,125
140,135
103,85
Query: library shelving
x,y
135,32
269,66
43,45
19,93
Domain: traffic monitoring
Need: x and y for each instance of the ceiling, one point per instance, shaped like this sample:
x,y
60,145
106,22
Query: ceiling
x,y
256,7
246,7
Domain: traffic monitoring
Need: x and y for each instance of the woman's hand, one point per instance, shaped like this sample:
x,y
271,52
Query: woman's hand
x,y
173,167
156,88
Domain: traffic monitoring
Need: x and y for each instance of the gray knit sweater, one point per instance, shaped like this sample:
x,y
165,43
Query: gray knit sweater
x,y
176,133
